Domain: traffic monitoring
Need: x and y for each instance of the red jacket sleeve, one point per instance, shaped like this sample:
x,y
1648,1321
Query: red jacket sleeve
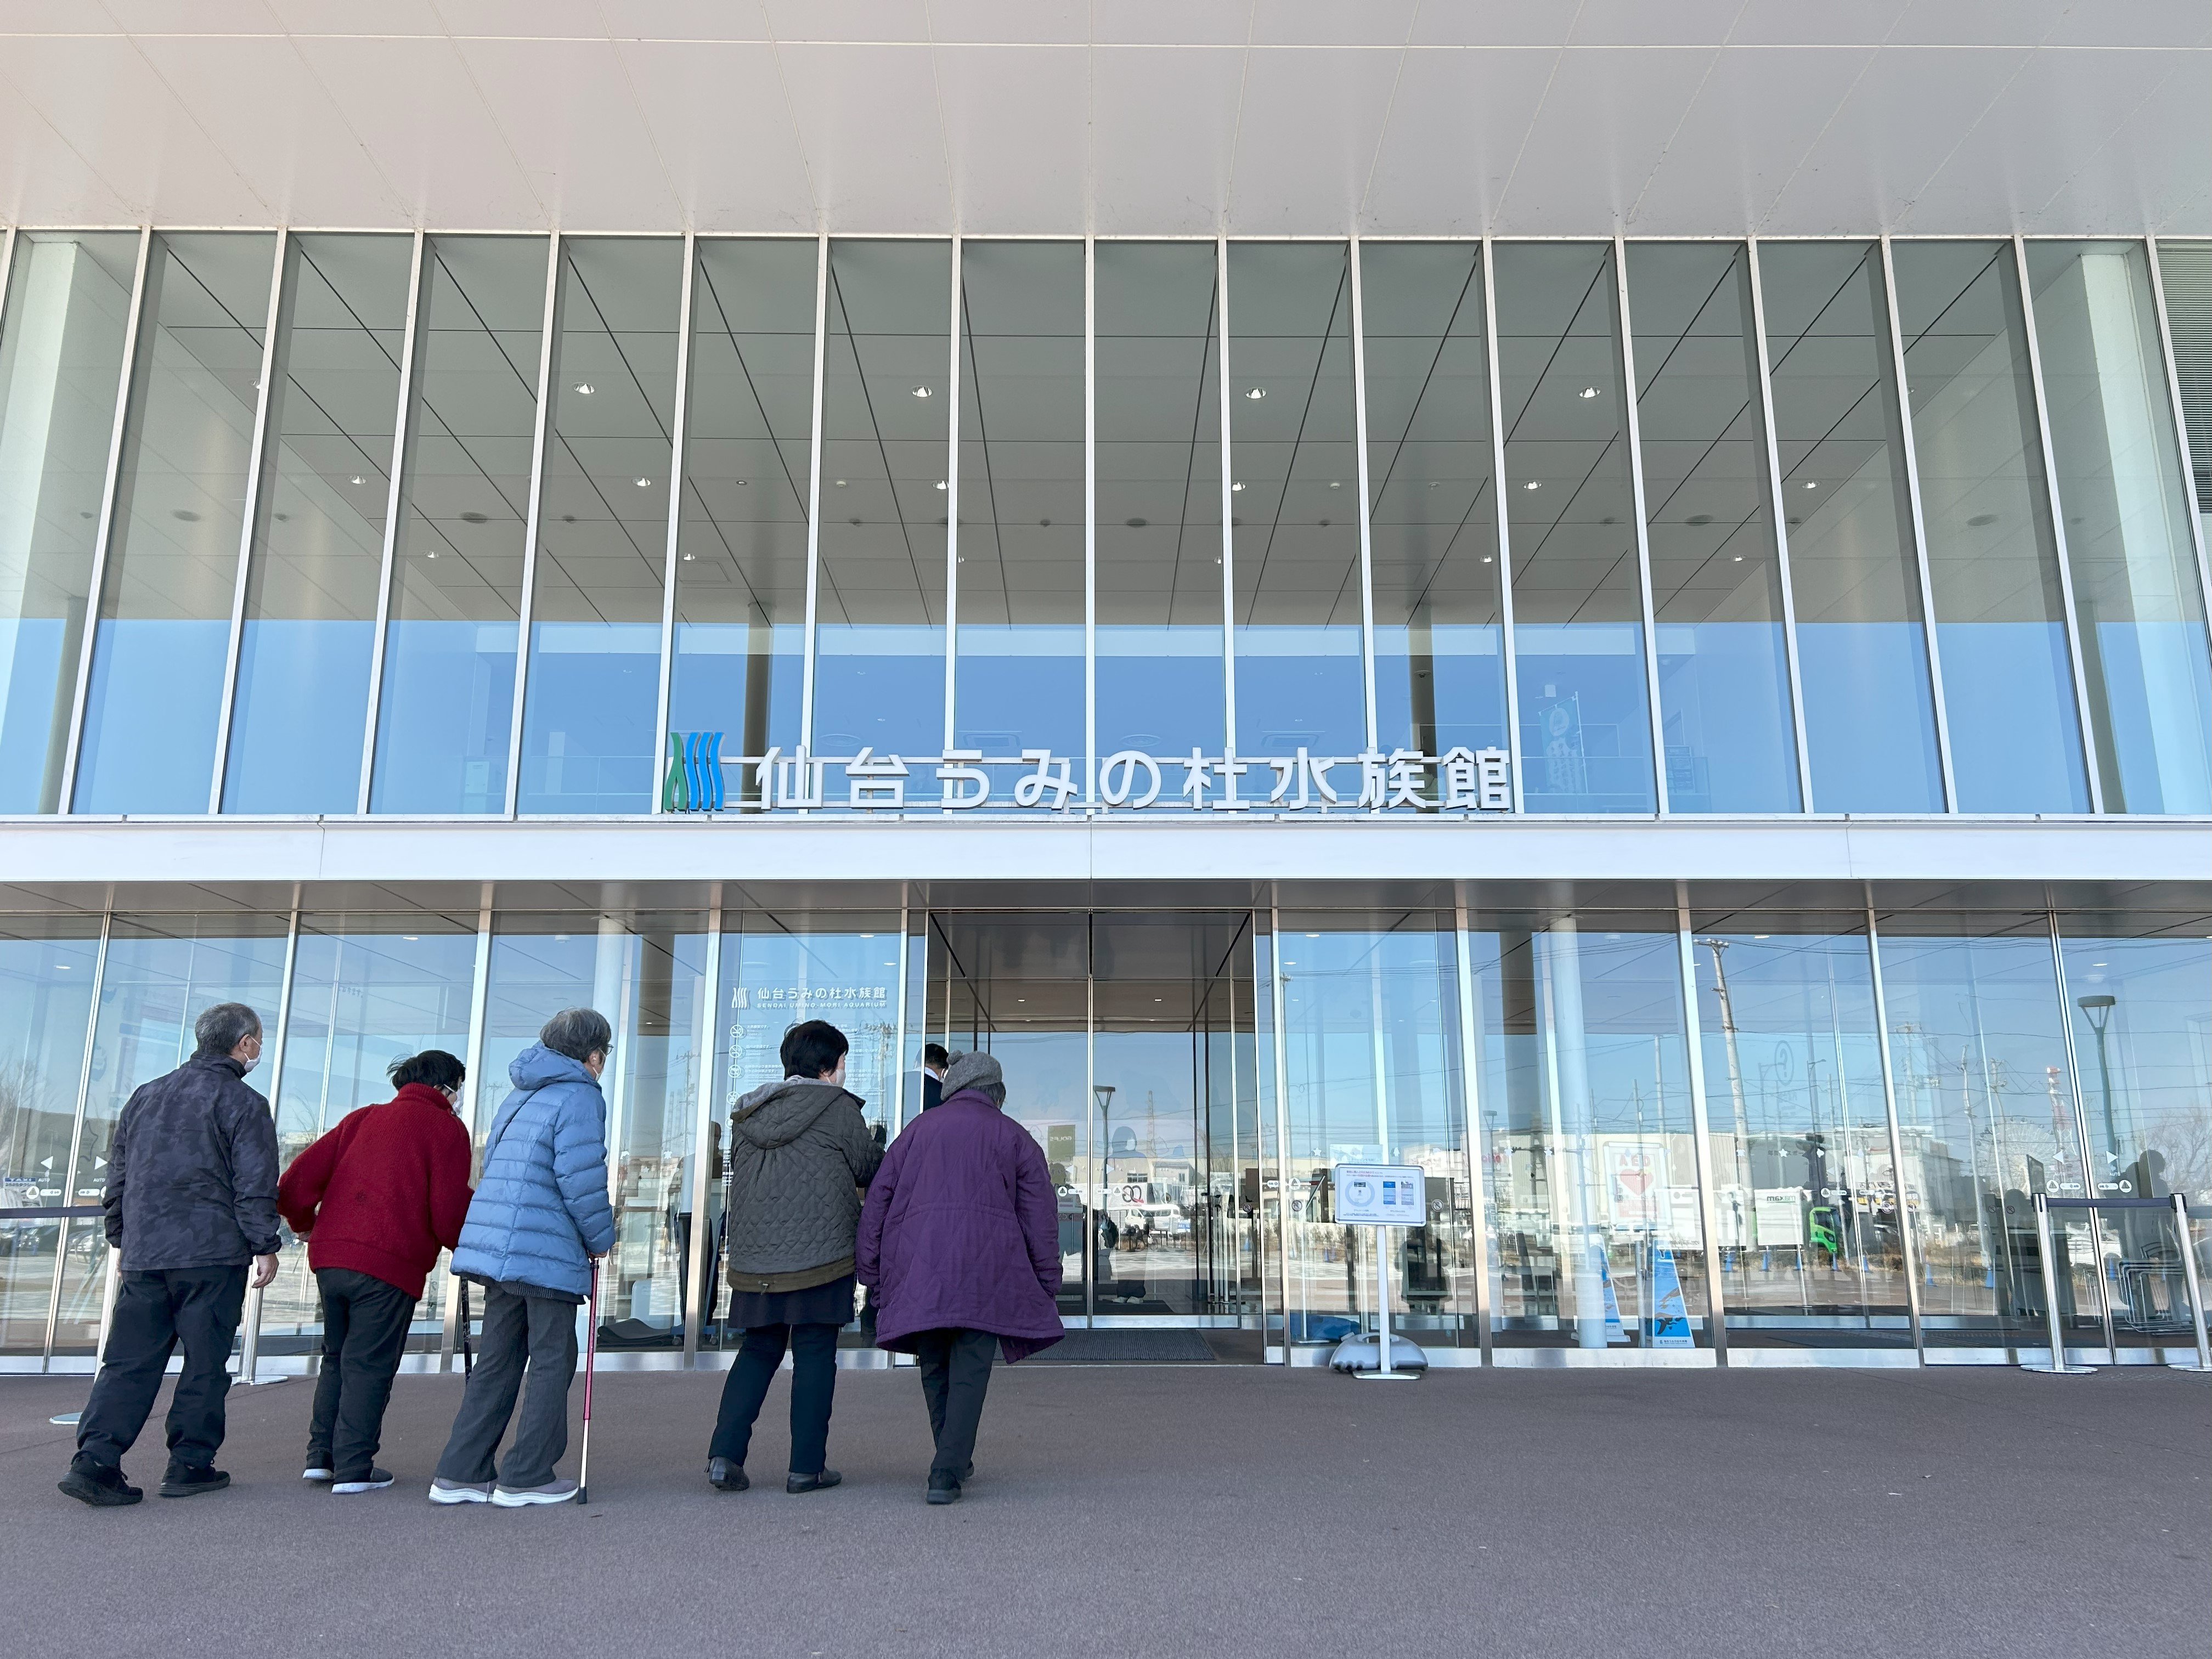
x,y
302,1187
449,1182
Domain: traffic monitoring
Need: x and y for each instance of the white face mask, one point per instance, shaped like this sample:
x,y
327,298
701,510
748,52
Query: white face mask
x,y
249,1064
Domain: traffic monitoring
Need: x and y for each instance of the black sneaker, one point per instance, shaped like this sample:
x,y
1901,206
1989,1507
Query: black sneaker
x,y
375,1480
723,1475
943,1489
100,1485
183,1482
821,1481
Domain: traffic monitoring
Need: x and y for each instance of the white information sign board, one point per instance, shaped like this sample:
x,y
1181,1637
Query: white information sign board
x,y
1382,1194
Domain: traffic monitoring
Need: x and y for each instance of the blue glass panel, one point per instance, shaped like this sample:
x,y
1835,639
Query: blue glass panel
x,y
295,742
446,718
151,709
1577,603
61,356
1866,683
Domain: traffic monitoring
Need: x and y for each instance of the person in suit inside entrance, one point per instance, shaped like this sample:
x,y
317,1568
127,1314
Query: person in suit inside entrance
x,y
934,1059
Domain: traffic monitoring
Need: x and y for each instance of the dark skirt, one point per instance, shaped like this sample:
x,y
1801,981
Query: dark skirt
x,y
818,1304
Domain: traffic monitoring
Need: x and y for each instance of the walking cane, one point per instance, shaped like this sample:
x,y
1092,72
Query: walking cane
x,y
591,1355
468,1348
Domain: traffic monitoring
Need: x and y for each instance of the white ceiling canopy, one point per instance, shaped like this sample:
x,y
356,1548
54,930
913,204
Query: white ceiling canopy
x,y
1121,117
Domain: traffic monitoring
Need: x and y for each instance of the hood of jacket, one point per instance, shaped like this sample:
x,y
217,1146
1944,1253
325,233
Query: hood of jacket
x,y
777,1114
538,1065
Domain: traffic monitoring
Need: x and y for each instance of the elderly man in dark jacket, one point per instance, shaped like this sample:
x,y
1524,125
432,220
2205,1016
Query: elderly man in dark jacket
x,y
190,1201
800,1153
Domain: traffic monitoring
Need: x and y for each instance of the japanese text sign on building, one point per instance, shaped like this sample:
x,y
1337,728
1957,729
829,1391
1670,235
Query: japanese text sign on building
x,y
700,778
1381,1194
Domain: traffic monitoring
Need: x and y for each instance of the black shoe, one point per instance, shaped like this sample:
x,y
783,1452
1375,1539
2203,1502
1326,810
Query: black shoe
x,y
943,1489
100,1485
723,1475
969,1473
183,1482
375,1480
821,1482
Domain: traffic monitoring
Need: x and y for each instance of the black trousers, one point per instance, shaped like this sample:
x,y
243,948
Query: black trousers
x,y
153,1312
535,1334
364,1333
813,1389
956,1371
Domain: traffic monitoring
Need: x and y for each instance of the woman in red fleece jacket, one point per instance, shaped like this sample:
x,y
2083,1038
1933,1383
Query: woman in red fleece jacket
x,y
376,1199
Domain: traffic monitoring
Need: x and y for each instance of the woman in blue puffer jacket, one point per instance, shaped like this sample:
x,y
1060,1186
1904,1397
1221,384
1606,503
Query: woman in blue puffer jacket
x,y
539,1218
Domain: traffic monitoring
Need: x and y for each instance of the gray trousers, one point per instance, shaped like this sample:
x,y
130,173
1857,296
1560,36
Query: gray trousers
x,y
540,1331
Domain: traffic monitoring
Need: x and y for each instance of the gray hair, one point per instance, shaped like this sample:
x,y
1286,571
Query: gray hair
x,y
223,1027
976,1071
578,1033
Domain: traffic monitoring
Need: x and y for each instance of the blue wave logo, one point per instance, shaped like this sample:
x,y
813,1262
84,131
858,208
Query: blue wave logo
x,y
694,780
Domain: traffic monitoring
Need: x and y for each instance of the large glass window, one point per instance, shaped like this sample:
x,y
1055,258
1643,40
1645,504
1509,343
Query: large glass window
x,y
446,715
1715,579
311,592
749,439
161,974
2000,615
172,573
366,990
1589,1131
2185,273
588,744
61,335
1578,593
1861,647
1018,678
1439,666
1301,678
1805,1192
45,1001
879,604
1986,1110
2128,541
2139,992
645,973
1373,1073
1158,374
776,972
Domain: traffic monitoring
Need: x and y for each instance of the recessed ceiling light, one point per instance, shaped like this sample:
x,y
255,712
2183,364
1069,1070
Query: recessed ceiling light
x,y
742,483
1236,486
841,483
1485,558
1811,483
1738,558
1533,484
1256,394
356,477
921,392
1587,393
584,388
1334,485
1435,484
432,554
687,557
940,484
410,937
643,483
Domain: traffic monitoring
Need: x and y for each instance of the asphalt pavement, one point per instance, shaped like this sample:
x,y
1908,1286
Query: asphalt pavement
x,y
1143,1510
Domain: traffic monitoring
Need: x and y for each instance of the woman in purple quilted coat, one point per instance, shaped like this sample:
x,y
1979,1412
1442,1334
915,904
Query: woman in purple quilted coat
x,y
960,1238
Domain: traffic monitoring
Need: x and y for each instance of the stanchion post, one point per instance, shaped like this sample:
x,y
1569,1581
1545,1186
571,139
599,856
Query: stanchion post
x,y
1383,1296
2058,1367
2195,1288
249,1359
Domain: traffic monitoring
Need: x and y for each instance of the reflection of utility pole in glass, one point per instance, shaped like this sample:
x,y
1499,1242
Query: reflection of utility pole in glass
x,y
2098,1011
1102,1226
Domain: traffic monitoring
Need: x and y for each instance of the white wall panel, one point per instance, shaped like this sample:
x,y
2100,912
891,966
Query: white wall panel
x,y
721,122
1016,133
869,122
1163,120
1306,139
1457,122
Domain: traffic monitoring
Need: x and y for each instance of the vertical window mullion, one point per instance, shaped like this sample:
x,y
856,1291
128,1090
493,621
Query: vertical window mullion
x,y
677,462
282,292
1633,436
951,504
1504,527
701,1242
1089,521
1908,1240
76,1128
2090,765
1701,1147
133,326
813,513
1470,1046
1771,487
402,456
1904,391
1228,514
2181,430
479,996
1366,506
548,349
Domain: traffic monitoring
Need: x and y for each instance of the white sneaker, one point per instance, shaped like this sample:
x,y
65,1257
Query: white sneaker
x,y
556,1491
316,1472
443,1491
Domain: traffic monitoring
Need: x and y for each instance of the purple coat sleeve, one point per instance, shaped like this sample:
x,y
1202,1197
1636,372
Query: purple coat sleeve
x,y
1034,1200
868,1246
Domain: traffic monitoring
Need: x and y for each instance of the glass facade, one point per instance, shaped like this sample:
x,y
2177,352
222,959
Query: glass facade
x,y
501,516
1780,1128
